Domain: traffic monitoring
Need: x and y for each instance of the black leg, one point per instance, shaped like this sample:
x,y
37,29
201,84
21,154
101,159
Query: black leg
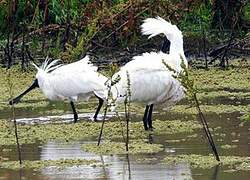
x,y
74,111
150,117
145,117
98,108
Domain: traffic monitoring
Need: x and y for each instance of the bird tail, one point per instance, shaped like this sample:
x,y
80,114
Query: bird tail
x,y
155,26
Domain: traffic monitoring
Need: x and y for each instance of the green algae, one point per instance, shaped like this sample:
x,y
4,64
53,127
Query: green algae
x,y
175,126
228,146
207,162
41,164
245,117
135,147
223,94
216,78
29,134
218,109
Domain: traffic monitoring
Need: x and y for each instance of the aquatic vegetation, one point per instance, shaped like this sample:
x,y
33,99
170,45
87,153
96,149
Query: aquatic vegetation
x,y
216,79
228,146
206,162
175,126
86,129
218,109
135,147
245,117
41,164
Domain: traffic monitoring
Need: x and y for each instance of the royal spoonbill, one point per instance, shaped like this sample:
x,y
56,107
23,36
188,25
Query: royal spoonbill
x,y
75,81
150,81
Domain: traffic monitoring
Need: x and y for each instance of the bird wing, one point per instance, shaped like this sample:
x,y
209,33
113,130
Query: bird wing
x,y
149,86
76,83
76,79
83,65
151,61
150,80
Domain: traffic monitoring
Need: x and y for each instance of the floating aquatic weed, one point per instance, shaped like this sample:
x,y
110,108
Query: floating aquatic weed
x,y
38,165
218,109
245,117
173,141
207,162
30,134
135,147
176,126
44,132
228,146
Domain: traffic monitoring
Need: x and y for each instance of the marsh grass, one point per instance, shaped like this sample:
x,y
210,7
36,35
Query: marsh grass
x,y
207,162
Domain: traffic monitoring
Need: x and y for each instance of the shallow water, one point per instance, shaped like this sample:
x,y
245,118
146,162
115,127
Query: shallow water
x,y
228,130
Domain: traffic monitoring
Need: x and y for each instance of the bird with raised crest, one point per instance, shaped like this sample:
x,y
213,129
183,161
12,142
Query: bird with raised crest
x,y
74,82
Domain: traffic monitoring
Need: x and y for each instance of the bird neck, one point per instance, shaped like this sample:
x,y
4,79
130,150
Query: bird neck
x,y
42,78
176,49
176,46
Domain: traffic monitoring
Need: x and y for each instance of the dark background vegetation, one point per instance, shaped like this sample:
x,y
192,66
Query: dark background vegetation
x,y
67,29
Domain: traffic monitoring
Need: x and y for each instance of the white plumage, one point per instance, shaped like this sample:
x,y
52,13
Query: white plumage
x,y
75,81
78,80
150,81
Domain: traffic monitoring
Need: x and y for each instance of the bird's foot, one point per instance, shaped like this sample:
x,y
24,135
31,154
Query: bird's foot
x,y
151,128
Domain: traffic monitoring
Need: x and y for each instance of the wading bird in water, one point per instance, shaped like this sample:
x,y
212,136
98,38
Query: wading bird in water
x,y
149,80
75,82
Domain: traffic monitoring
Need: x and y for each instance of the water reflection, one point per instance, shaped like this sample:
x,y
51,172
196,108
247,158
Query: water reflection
x,y
112,166
150,138
65,118
129,169
216,172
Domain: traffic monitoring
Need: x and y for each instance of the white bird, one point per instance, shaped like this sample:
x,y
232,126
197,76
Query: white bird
x,y
150,81
75,81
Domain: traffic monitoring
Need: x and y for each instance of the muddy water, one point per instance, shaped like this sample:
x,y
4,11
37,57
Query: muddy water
x,y
228,130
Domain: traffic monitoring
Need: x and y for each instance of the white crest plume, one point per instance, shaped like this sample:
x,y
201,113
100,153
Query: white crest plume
x,y
48,66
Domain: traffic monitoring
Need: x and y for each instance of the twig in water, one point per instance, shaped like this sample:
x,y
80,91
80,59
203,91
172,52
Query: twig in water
x,y
112,81
188,84
127,109
206,128
14,118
